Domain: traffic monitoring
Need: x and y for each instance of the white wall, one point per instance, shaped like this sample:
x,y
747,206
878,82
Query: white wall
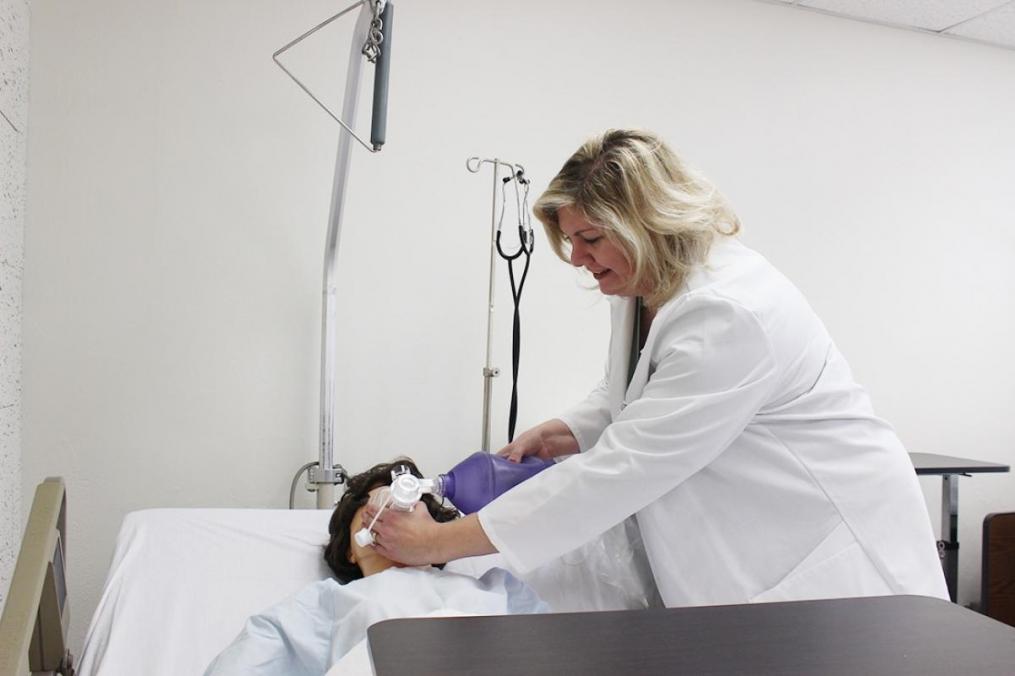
x,y
13,128
179,190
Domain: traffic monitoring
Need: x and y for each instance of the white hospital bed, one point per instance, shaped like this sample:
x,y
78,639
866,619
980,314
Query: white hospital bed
x,y
183,582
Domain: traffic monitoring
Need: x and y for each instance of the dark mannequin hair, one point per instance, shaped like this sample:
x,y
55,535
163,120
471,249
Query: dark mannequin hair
x,y
357,494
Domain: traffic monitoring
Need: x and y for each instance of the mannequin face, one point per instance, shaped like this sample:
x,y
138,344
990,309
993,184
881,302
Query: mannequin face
x,y
592,250
367,558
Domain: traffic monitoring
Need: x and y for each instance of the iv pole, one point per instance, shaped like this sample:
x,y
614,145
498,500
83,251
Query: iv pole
x,y
372,40
474,165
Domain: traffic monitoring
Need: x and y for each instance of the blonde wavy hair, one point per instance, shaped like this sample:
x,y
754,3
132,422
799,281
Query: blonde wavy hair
x,y
663,215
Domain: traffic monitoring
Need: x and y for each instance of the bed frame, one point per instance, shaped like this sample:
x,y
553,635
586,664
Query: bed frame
x,y
33,629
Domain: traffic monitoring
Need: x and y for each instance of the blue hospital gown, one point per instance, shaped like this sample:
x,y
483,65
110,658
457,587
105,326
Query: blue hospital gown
x,y
308,633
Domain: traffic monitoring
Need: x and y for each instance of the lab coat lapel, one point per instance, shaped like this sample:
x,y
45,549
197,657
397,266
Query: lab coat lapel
x,y
622,314
623,392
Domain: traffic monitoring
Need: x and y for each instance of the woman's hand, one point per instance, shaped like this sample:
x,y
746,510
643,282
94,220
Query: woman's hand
x,y
415,539
545,441
405,537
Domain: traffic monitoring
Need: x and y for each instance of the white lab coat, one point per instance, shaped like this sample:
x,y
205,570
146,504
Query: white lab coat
x,y
755,464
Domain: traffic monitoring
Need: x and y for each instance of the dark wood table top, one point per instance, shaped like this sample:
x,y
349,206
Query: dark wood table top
x,y
897,635
931,463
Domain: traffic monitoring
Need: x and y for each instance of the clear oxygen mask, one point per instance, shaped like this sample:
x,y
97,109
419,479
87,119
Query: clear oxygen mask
x,y
405,491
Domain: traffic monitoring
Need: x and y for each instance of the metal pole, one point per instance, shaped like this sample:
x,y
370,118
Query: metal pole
x,y
375,21
950,532
325,476
474,164
489,373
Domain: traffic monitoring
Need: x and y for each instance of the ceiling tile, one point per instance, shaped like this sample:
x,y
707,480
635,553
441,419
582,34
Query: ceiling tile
x,y
934,15
997,27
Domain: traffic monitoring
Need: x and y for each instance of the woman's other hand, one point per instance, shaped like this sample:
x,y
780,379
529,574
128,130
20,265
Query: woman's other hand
x,y
545,441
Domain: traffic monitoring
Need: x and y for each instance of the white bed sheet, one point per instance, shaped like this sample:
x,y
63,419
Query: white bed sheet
x,y
183,582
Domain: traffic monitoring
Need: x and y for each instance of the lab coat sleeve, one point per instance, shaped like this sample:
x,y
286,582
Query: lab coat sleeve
x,y
715,369
588,419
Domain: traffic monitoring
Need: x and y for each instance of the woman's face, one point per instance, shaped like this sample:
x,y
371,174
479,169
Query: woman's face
x,y
592,250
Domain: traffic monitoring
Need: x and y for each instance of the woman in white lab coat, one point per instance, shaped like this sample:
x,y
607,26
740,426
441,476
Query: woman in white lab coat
x,y
728,421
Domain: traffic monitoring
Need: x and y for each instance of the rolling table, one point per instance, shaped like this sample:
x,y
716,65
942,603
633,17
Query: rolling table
x,y
950,469
898,635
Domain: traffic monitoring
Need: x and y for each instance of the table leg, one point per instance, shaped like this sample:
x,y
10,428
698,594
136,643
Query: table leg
x,y
948,545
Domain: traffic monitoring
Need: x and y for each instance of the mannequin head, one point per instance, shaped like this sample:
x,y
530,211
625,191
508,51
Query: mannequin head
x,y
347,560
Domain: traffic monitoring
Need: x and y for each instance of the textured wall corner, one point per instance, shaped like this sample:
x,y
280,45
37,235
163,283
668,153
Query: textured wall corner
x,y
13,130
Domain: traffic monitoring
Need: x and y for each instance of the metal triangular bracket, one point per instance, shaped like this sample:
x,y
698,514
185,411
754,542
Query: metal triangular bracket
x,y
372,49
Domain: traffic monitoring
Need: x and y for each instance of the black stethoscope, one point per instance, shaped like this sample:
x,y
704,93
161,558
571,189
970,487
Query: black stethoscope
x,y
526,244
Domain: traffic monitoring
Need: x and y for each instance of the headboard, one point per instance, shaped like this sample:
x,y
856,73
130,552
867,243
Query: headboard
x,y
33,628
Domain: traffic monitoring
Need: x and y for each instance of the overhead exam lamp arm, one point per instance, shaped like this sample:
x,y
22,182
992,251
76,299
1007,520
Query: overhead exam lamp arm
x,y
372,40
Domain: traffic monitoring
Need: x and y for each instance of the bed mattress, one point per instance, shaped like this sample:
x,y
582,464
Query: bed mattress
x,y
183,581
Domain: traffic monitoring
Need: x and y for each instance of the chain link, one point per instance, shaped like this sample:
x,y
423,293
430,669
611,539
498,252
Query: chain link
x,y
372,47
